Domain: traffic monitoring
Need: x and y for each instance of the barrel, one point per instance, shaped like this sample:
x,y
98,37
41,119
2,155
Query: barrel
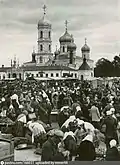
x,y
6,150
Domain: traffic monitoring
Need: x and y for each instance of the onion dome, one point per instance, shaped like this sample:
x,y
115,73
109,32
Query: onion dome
x,y
72,45
44,21
65,38
85,48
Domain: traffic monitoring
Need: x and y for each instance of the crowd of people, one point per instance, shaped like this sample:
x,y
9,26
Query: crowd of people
x,y
88,118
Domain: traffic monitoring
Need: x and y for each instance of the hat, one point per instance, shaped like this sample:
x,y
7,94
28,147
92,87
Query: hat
x,y
14,97
58,133
113,143
25,112
80,122
21,106
3,99
112,109
109,113
11,106
78,108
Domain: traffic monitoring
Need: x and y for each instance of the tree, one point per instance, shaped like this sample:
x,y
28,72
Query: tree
x,y
116,65
104,68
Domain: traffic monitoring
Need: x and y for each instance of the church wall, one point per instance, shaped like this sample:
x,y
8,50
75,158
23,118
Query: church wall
x,y
87,74
55,73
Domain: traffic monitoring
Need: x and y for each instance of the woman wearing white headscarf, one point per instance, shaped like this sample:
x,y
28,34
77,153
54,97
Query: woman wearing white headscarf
x,y
65,126
112,154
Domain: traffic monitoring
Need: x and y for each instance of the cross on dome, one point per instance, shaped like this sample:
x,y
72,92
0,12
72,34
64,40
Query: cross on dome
x,y
44,9
66,24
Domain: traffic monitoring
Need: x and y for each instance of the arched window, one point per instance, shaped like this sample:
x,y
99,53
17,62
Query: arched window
x,y
41,59
49,34
14,75
4,76
9,75
41,34
49,47
41,47
20,76
63,49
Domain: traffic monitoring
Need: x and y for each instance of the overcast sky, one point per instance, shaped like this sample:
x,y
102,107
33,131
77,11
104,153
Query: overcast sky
x,y
98,20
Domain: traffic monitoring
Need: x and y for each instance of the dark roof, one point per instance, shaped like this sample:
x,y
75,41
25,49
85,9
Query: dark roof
x,y
4,69
49,67
84,65
29,62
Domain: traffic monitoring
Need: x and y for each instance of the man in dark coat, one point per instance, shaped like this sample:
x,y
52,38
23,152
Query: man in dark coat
x,y
50,147
111,128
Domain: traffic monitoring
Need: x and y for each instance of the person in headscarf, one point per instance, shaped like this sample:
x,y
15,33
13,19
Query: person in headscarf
x,y
11,113
70,143
112,153
65,126
38,132
86,150
20,123
63,115
80,132
50,147
107,108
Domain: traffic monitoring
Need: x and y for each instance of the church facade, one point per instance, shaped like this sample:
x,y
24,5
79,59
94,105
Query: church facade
x,y
64,62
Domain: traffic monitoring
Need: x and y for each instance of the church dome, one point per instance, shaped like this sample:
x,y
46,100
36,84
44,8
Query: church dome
x,y
44,22
85,48
72,45
66,37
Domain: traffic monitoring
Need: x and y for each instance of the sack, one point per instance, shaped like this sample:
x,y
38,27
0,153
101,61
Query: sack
x,y
103,128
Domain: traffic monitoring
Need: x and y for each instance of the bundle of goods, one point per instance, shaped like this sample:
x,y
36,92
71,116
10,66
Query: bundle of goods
x,y
100,153
20,142
6,125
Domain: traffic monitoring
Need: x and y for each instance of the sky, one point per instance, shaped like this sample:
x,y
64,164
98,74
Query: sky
x,y
96,20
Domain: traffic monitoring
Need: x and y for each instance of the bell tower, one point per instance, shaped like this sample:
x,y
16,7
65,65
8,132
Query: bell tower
x,y
44,40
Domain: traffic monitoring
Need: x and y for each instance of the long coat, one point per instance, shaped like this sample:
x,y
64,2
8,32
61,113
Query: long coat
x,y
112,154
111,126
86,151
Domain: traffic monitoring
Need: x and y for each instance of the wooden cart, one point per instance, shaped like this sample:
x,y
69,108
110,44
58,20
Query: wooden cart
x,y
6,150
